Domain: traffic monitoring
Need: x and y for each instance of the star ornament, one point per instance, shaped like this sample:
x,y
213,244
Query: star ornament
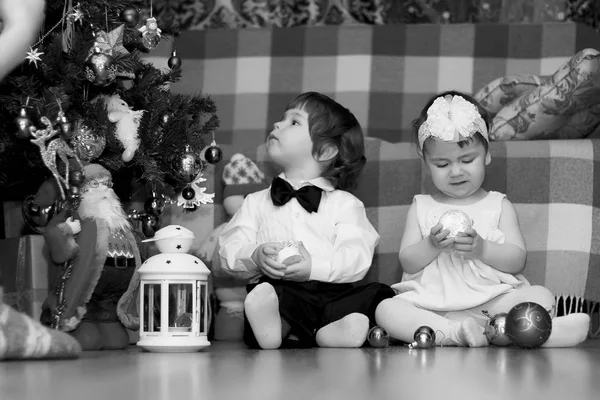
x,y
76,16
34,55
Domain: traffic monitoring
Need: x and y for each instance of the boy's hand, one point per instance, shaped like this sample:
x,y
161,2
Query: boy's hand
x,y
469,244
264,257
300,271
439,238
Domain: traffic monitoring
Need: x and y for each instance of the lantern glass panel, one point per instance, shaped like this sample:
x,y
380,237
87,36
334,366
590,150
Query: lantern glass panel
x,y
202,300
181,300
152,302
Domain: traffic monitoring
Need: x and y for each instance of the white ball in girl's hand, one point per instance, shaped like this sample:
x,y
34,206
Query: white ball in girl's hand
x,y
455,221
289,254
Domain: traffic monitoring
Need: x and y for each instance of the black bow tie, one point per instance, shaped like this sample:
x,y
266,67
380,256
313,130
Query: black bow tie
x,y
309,197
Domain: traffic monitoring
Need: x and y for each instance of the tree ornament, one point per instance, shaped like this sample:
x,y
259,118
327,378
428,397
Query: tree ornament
x,y
100,68
154,205
77,178
23,124
198,197
149,225
165,119
33,55
213,154
528,325
495,329
88,145
424,338
36,216
150,34
65,125
378,337
131,16
174,61
188,193
188,165
127,123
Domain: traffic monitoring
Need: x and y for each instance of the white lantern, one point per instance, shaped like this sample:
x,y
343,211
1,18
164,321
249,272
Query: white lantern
x,y
174,300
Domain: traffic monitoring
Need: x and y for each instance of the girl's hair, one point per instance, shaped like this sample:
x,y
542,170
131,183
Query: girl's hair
x,y
416,124
331,124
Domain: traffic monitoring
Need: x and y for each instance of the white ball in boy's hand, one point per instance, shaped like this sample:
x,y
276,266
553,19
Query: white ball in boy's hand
x,y
289,254
455,221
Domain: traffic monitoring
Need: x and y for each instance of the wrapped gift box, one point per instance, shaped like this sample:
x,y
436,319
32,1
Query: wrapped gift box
x,y
24,263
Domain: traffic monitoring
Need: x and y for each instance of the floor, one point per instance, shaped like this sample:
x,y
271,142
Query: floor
x,y
229,371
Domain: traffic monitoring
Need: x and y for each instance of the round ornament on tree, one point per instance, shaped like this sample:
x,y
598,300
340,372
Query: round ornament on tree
x,y
213,154
88,145
495,330
188,193
77,177
154,206
23,124
188,165
131,16
378,337
174,61
149,225
100,68
528,325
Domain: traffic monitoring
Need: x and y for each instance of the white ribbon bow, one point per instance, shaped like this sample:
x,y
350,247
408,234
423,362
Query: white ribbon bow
x,y
451,119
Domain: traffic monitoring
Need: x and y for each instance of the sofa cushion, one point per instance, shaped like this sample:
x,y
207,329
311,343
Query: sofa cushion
x,y
504,90
566,106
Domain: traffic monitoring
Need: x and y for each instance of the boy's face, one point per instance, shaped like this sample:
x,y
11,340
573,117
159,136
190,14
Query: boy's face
x,y
290,144
457,172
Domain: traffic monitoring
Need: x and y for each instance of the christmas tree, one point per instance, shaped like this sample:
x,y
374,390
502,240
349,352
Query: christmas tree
x,y
85,86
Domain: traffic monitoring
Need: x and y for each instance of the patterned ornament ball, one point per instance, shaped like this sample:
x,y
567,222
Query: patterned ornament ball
x,y
188,193
23,124
88,145
213,154
131,16
188,165
150,39
174,61
154,206
378,337
100,68
424,338
528,325
495,330
455,221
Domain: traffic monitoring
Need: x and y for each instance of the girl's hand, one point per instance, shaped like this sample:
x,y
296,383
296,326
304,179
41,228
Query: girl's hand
x,y
439,237
469,244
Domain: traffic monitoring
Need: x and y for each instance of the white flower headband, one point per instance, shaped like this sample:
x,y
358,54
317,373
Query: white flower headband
x,y
451,119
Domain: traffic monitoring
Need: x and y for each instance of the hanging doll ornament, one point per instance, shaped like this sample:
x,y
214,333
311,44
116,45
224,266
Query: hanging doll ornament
x,y
150,33
127,122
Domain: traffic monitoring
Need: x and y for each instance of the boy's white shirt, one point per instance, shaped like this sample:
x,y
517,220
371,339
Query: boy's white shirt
x,y
339,237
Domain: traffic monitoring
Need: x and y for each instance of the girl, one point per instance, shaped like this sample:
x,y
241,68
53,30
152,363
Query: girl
x,y
449,279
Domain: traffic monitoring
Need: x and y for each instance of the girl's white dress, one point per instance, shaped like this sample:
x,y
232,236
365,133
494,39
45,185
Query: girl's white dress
x,y
451,282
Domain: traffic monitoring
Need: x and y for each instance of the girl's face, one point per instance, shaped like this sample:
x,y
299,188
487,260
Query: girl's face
x,y
290,144
457,172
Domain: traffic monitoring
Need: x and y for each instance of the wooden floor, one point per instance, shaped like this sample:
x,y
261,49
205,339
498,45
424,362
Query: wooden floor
x,y
229,372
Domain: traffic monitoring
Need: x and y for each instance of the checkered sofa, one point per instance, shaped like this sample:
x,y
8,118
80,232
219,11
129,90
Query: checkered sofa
x,y
385,74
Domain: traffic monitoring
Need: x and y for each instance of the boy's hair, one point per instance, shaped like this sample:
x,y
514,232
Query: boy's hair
x,y
416,124
330,123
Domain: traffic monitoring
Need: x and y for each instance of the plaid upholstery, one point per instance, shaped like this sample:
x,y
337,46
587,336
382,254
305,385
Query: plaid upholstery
x,y
384,74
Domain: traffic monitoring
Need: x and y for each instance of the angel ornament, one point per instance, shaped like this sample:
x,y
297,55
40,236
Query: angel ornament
x,y
150,33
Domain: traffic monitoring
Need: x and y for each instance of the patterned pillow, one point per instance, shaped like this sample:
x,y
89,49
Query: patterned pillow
x,y
504,90
567,106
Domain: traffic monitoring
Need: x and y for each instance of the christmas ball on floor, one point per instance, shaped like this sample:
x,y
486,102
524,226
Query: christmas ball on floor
x,y
378,337
455,221
528,325
495,330
424,338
